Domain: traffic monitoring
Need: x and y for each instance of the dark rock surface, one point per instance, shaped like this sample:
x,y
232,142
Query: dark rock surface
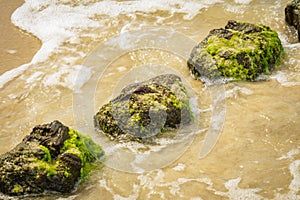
x,y
145,109
240,51
292,15
53,157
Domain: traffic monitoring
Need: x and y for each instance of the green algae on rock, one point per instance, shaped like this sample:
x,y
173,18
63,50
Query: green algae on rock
x,y
292,15
241,51
145,110
52,158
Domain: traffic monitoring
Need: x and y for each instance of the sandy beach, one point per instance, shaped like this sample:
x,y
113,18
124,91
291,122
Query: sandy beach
x,y
16,46
85,52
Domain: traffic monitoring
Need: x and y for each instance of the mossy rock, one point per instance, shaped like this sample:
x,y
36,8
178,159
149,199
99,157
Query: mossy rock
x,y
145,110
240,51
52,158
292,15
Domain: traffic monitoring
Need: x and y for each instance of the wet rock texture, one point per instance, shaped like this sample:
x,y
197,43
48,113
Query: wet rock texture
x,y
145,110
51,158
292,15
240,51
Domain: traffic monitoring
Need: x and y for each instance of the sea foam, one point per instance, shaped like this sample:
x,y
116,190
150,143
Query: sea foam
x,y
243,1
286,79
57,21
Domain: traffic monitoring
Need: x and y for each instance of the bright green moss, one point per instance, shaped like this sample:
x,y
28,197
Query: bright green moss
x,y
17,189
155,102
49,168
84,147
45,164
241,65
77,144
67,174
51,158
47,156
242,53
176,102
151,109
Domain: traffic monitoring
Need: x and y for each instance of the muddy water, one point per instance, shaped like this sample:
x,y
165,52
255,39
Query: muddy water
x,y
257,155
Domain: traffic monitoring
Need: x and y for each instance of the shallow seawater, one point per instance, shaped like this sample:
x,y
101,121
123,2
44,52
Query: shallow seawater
x,y
92,49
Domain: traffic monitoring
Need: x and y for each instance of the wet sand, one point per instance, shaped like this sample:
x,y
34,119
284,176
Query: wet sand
x,y
257,155
16,46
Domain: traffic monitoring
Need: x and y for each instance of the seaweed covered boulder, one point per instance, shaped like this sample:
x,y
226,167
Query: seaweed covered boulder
x,y
145,110
292,15
240,51
51,158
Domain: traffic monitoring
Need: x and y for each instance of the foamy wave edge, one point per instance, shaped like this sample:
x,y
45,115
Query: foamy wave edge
x,y
43,19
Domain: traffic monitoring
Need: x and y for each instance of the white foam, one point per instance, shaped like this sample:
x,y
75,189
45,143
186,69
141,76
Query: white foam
x,y
294,186
238,90
11,51
194,105
33,16
286,44
179,167
290,154
243,1
121,68
73,77
156,179
235,192
55,22
2,196
34,77
283,79
10,75
138,160
294,168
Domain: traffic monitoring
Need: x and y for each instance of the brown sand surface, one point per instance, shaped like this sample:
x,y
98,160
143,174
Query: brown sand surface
x,y
16,46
